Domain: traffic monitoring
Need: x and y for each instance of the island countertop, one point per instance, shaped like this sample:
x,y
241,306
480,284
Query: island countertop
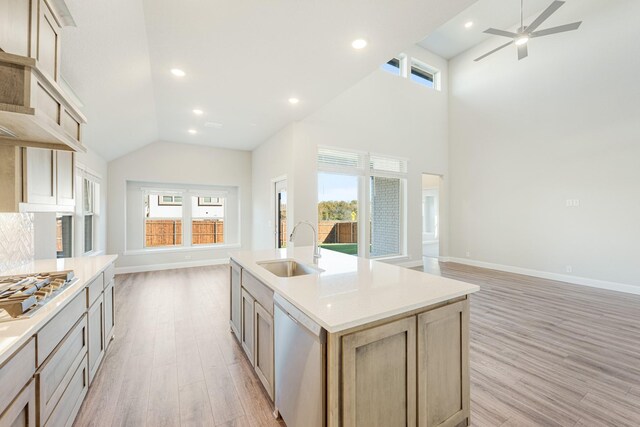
x,y
350,291
14,333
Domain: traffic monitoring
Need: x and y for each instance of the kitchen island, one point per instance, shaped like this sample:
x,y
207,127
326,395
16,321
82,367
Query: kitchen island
x,y
397,340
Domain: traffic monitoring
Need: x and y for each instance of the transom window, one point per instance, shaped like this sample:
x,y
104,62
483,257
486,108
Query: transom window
x,y
414,70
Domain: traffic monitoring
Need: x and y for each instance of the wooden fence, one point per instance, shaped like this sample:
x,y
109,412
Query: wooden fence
x,y
338,232
168,232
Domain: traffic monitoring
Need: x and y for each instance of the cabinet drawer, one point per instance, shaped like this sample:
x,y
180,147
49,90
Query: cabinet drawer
x,y
16,372
22,411
53,332
53,377
261,292
94,289
109,274
69,404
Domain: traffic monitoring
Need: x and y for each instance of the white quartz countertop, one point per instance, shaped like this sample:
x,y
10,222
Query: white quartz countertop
x,y
351,291
15,333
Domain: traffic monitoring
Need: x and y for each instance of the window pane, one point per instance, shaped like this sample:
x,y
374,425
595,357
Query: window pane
x,y
87,196
392,66
88,233
163,222
338,212
420,76
207,225
385,216
64,236
282,218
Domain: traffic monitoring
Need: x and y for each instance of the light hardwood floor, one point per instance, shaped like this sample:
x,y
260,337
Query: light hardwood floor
x,y
542,354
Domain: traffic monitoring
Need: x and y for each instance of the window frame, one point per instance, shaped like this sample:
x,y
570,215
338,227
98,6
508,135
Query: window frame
x,y
93,211
192,217
423,68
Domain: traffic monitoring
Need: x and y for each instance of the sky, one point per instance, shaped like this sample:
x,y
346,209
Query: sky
x,y
337,187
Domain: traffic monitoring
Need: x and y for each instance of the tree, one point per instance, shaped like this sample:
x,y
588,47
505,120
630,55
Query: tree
x,y
339,210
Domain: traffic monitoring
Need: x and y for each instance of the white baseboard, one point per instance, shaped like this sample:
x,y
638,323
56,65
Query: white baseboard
x,y
575,280
170,266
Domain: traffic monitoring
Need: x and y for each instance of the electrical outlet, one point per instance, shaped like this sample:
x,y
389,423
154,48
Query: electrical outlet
x,y
569,269
468,254
573,203
187,257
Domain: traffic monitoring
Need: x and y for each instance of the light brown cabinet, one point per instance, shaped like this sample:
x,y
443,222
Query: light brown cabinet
x,y
34,109
42,178
263,347
412,371
22,410
235,299
379,375
95,318
247,327
109,313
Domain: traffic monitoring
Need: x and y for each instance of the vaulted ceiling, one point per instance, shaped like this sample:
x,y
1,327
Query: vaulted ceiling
x,y
243,60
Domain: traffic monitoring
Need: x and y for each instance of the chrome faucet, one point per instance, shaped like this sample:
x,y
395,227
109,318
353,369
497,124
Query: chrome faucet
x,y
316,247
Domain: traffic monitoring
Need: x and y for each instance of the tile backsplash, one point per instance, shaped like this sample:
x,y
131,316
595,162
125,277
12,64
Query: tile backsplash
x,y
16,240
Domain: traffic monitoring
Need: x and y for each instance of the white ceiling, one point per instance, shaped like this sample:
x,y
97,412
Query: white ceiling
x,y
243,60
453,38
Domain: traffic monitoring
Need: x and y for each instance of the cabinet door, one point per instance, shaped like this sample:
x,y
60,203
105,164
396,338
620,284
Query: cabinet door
x,y
65,178
96,336
264,347
379,375
246,335
48,42
22,411
236,303
40,171
15,26
109,313
443,371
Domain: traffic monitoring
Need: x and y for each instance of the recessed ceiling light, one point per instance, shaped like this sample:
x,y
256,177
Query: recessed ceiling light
x,y
213,125
522,40
359,44
192,131
468,24
293,100
178,72
198,112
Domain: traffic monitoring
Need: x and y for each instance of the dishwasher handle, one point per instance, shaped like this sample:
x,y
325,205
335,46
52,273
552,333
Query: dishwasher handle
x,y
299,317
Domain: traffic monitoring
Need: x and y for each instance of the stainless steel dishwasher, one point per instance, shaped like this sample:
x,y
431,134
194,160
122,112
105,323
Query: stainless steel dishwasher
x,y
300,366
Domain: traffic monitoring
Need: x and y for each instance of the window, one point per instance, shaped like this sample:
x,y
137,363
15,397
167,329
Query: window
x,y
207,220
90,203
392,66
423,74
163,220
169,200
64,236
343,185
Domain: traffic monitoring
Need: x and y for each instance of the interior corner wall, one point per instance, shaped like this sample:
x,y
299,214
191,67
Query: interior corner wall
x,y
527,136
384,114
171,163
272,159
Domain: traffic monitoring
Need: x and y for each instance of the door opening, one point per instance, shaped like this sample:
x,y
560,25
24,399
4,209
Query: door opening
x,y
281,214
431,215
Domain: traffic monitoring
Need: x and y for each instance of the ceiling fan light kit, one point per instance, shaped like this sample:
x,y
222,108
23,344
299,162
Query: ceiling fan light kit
x,y
526,33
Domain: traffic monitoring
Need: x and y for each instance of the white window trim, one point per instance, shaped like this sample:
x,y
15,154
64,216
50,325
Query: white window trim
x,y
83,172
428,69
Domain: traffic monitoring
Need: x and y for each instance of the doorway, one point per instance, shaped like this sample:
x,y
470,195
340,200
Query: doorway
x,y
280,213
431,216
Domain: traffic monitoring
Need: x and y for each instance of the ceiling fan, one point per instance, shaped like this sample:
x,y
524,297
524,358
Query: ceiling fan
x,y
525,33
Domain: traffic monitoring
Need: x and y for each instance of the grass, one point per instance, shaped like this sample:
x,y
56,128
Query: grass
x,y
345,248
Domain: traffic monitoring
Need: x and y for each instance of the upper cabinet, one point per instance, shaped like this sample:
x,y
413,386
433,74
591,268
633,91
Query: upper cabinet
x,y
34,109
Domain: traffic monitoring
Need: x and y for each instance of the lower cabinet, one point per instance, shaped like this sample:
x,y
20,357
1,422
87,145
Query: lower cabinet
x,y
443,371
379,375
263,348
235,299
409,372
109,313
22,411
95,319
67,408
247,327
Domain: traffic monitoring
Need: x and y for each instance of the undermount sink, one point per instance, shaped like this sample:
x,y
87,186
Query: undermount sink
x,y
287,268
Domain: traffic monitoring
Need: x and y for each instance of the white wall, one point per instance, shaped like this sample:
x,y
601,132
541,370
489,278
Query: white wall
x,y
384,114
527,135
165,162
272,159
96,165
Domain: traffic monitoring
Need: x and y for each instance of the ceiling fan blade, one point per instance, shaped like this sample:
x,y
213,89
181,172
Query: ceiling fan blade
x,y
523,51
555,30
502,33
545,15
493,51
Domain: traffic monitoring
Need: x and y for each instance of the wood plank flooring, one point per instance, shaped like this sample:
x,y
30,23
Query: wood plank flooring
x,y
542,354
